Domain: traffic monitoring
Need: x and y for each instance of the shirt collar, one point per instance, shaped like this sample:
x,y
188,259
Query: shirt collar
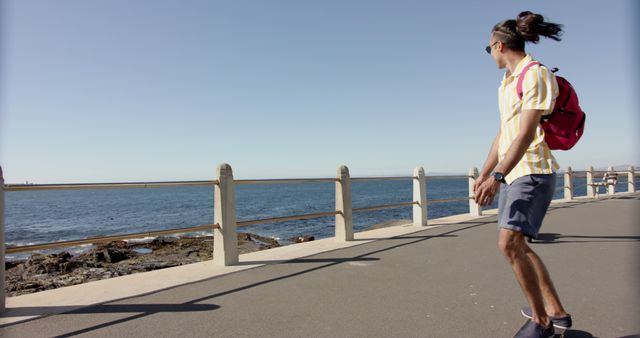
x,y
525,61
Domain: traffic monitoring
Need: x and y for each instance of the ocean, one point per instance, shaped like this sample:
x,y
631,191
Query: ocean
x,y
34,217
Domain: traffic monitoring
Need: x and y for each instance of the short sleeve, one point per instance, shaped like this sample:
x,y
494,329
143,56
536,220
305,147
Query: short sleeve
x,y
539,89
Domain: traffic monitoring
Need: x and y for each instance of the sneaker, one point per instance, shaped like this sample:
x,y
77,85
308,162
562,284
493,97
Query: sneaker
x,y
559,322
532,329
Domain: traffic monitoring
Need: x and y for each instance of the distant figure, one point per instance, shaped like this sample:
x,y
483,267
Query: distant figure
x,y
610,178
522,166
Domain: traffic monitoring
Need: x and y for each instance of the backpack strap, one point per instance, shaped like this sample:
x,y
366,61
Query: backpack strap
x,y
521,77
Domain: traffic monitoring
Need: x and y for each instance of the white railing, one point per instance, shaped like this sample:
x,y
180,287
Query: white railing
x,y
608,180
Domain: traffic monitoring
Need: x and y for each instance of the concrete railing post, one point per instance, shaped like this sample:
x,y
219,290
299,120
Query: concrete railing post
x,y
631,179
611,181
344,217
568,184
591,189
419,197
2,294
474,207
225,239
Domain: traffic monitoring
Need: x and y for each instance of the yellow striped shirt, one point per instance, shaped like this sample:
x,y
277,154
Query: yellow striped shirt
x,y
539,92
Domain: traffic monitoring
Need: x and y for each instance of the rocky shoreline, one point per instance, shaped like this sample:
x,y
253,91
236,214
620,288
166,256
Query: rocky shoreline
x,y
118,258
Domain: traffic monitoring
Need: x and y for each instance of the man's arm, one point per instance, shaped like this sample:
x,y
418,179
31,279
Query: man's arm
x,y
529,120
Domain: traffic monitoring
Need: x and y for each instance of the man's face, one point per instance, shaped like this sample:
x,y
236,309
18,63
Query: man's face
x,y
495,47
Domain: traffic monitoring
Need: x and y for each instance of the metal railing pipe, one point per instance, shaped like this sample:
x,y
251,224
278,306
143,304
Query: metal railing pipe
x,y
624,172
88,186
394,178
386,206
286,181
286,218
445,177
449,200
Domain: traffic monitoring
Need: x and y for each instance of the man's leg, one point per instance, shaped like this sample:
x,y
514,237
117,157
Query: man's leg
x,y
553,307
512,245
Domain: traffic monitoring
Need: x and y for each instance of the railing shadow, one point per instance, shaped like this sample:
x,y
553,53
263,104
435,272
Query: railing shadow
x,y
573,203
555,238
481,223
109,308
401,237
421,237
309,260
330,262
628,198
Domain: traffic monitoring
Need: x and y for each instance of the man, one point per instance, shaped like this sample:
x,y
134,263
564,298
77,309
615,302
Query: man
x,y
522,166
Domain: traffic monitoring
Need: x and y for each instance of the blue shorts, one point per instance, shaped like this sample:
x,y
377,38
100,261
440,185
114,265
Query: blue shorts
x,y
523,203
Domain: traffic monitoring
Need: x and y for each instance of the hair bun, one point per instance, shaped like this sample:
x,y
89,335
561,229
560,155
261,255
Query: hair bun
x,y
527,25
526,14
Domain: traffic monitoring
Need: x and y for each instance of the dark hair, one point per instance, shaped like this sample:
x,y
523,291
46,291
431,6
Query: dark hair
x,y
526,27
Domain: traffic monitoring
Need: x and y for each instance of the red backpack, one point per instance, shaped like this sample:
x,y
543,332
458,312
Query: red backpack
x,y
565,125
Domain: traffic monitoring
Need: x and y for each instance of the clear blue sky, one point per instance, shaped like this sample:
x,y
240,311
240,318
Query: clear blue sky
x,y
99,91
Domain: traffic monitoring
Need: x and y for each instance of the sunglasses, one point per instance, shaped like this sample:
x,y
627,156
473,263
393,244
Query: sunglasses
x,y
488,48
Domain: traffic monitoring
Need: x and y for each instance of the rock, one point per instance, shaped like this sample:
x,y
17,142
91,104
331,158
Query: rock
x,y
117,255
39,263
30,285
67,267
42,272
113,252
12,264
162,241
301,239
243,236
158,265
267,242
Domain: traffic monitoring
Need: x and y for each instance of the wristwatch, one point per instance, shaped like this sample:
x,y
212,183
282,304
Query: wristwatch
x,y
499,177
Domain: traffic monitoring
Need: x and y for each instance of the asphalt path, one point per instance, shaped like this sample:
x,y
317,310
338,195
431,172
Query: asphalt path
x,y
449,281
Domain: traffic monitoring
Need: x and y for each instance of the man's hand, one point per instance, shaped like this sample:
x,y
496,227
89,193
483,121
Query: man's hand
x,y
486,192
478,182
